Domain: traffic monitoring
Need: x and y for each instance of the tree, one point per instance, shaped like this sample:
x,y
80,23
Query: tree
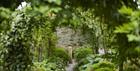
x,y
131,30
17,40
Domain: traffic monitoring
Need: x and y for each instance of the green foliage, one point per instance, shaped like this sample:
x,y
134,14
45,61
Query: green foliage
x,y
48,65
61,53
104,69
90,59
82,52
125,10
4,13
4,19
132,52
106,9
16,43
39,66
130,67
130,30
126,28
31,30
23,25
86,63
44,42
44,39
58,2
98,32
59,62
104,66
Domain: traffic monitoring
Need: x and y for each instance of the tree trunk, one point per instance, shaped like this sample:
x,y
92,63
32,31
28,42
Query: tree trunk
x,y
50,47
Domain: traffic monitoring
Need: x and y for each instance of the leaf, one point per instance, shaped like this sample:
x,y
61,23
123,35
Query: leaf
x,y
132,37
126,10
126,28
58,2
55,9
137,49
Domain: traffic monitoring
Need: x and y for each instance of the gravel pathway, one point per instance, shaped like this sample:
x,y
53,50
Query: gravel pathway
x,y
71,66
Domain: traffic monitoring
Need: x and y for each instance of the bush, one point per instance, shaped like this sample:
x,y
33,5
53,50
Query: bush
x,y
39,66
80,53
55,64
61,53
91,59
86,64
60,63
128,66
104,66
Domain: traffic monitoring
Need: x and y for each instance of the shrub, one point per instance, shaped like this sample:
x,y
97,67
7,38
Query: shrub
x,y
128,66
56,62
60,63
61,53
39,66
91,59
131,68
104,66
52,64
86,64
80,53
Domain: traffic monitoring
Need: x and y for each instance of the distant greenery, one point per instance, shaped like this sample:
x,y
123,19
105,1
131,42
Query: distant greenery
x,y
82,52
61,53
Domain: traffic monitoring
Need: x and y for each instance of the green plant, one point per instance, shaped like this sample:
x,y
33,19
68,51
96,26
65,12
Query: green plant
x,y
61,53
104,66
82,52
60,63
0,64
39,66
129,30
131,68
104,69
51,64
86,64
128,66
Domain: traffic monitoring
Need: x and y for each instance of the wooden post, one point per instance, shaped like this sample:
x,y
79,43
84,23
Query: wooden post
x,y
70,53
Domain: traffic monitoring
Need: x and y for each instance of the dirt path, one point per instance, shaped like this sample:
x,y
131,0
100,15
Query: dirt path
x,y
71,66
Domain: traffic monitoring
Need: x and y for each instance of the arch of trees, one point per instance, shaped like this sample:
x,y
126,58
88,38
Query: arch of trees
x,y
28,35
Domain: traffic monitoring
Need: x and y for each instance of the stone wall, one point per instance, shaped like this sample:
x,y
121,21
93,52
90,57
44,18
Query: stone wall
x,y
69,37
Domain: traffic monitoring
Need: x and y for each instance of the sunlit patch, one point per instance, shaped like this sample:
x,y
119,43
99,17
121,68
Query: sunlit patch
x,y
22,5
